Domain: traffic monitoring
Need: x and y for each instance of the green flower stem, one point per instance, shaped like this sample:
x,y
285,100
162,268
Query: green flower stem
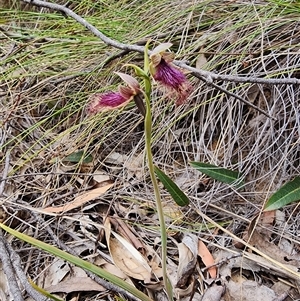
x,y
148,129
159,207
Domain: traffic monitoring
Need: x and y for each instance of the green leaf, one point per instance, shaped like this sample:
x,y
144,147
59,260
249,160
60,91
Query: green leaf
x,y
79,262
177,194
218,173
79,157
288,193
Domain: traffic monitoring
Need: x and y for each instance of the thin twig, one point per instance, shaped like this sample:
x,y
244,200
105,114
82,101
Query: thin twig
x,y
16,262
242,100
9,271
221,262
127,47
5,172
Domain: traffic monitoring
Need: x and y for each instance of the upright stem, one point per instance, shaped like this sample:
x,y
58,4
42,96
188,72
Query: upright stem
x,y
159,207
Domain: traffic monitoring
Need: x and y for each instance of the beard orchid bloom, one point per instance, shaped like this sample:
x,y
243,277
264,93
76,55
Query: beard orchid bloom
x,y
164,72
102,102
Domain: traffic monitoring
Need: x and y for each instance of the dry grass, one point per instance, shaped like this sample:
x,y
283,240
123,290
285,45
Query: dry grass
x,y
49,67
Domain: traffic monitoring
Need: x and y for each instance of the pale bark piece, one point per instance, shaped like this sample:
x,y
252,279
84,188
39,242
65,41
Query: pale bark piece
x,y
101,176
4,289
201,59
188,250
135,166
248,290
214,293
79,200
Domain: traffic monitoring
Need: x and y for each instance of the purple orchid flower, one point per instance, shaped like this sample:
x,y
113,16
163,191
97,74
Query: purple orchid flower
x,y
102,102
168,75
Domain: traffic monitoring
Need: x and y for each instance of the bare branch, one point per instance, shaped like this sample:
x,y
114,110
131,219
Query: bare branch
x,y
238,79
16,262
210,76
9,271
87,25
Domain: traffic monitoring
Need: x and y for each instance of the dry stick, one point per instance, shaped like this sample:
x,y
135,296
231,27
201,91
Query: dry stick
x,y
221,262
243,100
210,76
5,172
16,262
9,271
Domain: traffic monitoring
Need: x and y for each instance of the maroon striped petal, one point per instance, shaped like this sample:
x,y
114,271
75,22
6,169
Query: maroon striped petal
x,y
174,80
106,102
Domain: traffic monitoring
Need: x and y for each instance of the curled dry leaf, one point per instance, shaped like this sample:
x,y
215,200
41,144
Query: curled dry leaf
x,y
124,230
79,200
207,258
125,256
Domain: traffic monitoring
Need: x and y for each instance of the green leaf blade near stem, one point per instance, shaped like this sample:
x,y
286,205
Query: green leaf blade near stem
x,y
288,193
219,173
177,194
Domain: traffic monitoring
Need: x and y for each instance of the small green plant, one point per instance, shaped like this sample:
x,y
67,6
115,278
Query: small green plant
x,y
218,173
159,67
285,195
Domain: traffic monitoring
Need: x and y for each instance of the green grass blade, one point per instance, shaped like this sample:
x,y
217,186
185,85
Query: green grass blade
x,y
218,173
288,193
177,194
79,156
78,262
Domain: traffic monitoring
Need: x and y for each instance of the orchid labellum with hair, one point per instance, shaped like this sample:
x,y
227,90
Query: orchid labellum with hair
x,y
113,100
169,76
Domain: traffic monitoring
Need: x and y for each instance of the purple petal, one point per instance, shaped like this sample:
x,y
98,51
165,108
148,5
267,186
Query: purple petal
x,y
169,76
105,102
173,79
